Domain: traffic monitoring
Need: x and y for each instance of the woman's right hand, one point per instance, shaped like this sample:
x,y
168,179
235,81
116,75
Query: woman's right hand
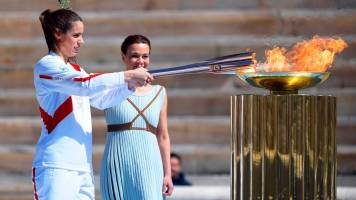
x,y
137,77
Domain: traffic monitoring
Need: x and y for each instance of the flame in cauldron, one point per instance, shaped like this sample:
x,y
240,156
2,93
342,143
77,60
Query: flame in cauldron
x,y
315,55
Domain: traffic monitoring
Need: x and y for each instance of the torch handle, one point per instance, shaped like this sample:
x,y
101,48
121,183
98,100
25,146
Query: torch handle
x,y
212,67
244,55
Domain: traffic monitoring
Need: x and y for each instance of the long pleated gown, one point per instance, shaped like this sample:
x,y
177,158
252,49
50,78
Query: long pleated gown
x,y
132,167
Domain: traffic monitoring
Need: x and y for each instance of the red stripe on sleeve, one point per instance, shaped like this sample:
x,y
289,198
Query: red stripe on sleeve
x,y
46,77
83,79
62,111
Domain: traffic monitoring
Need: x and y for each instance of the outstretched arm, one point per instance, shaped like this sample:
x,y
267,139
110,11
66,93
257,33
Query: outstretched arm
x,y
52,75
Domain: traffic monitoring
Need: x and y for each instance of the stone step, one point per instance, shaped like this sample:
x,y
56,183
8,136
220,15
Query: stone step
x,y
198,159
22,182
18,24
189,193
342,76
345,163
346,130
123,5
182,130
215,187
212,102
23,53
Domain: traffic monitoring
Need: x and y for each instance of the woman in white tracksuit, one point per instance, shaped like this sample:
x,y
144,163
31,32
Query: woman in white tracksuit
x,y
62,164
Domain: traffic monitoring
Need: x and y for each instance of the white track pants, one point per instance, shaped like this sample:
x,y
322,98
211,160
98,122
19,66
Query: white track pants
x,y
60,184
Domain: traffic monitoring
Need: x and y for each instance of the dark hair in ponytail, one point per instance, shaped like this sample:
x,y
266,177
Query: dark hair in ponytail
x,y
134,39
57,21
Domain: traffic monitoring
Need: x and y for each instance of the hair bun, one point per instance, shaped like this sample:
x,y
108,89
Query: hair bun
x,y
44,16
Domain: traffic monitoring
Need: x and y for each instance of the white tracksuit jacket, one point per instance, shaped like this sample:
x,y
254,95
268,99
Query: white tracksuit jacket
x,y
65,93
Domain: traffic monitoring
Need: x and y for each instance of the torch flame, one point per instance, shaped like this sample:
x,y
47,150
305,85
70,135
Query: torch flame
x,y
316,55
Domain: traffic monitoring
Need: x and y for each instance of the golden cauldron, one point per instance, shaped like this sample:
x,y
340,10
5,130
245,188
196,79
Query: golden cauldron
x,y
284,82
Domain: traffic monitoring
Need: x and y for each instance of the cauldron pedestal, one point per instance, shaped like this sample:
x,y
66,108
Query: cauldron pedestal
x,y
283,147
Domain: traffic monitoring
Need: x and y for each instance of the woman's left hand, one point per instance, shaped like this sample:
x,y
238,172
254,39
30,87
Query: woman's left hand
x,y
167,188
